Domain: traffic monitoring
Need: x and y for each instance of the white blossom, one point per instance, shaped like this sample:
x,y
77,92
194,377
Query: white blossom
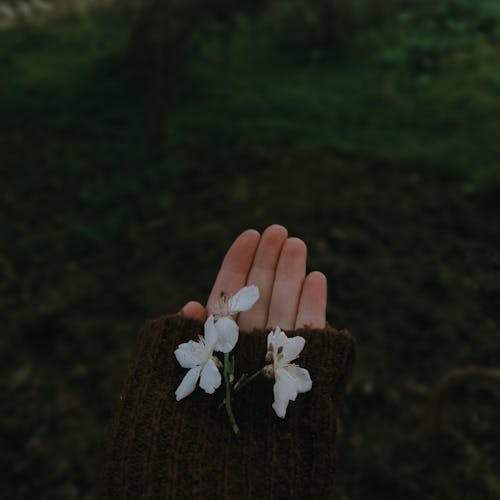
x,y
202,364
226,309
221,335
230,306
290,379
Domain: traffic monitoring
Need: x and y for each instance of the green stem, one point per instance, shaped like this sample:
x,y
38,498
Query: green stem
x,y
240,385
229,410
242,382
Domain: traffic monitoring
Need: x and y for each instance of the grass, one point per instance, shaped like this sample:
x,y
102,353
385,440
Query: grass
x,y
73,130
245,95
75,159
355,102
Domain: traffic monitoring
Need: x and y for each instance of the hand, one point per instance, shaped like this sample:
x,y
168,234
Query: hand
x,y
277,265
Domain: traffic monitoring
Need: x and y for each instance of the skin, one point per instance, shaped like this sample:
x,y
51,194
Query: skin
x,y
275,263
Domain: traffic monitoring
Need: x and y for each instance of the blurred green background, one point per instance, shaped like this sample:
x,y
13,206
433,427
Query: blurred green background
x,y
137,139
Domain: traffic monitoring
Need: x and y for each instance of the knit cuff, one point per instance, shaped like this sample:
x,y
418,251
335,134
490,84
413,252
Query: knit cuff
x,y
160,448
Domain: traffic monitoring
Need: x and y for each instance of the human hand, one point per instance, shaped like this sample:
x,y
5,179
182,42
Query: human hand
x,y
277,265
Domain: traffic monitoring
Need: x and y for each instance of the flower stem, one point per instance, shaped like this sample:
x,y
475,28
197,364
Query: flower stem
x,y
227,373
240,384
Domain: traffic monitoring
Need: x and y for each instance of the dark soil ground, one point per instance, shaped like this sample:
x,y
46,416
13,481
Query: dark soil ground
x,y
414,272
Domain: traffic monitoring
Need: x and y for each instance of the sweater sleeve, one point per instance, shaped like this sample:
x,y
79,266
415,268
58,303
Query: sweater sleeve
x,y
157,447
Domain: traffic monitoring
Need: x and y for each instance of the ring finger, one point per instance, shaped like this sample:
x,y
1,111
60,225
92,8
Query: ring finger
x,y
262,274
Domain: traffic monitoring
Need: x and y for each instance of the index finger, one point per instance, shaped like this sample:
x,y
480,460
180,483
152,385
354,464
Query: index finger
x,y
235,266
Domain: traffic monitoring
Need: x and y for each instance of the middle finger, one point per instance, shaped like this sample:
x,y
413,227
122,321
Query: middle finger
x,y
262,274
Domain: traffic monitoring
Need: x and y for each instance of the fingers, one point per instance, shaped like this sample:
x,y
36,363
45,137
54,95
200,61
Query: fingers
x,y
277,265
194,310
290,275
262,274
312,304
235,266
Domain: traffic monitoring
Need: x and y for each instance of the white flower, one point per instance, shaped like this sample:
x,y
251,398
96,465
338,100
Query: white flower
x,y
290,379
221,334
199,358
225,310
230,306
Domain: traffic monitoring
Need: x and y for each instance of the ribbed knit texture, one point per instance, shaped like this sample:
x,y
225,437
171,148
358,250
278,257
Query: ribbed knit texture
x,y
159,448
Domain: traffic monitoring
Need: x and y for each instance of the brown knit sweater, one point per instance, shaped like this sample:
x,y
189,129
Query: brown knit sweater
x,y
157,447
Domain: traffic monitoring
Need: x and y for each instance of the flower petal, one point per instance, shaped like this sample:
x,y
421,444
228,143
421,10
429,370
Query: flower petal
x,y
284,392
289,348
302,379
189,354
227,334
188,384
210,377
244,299
277,338
210,333
292,348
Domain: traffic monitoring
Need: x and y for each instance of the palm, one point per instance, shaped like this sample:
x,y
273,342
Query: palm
x,y
277,265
